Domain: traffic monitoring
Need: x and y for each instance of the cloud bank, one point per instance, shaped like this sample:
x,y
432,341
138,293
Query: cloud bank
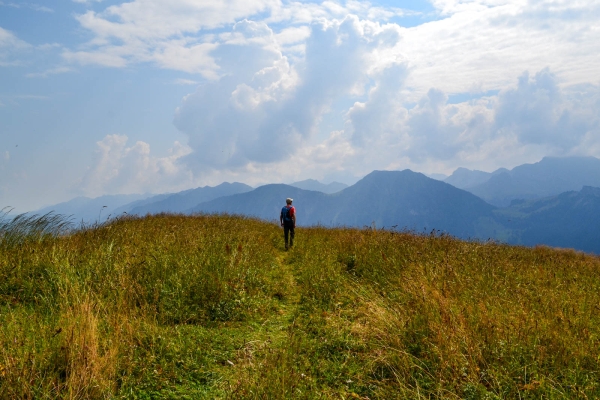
x,y
290,90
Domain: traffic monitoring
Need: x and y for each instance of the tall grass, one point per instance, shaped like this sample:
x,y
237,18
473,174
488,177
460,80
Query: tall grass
x,y
213,307
22,227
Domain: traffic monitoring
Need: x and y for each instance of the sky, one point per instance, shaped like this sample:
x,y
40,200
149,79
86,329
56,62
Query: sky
x,y
103,97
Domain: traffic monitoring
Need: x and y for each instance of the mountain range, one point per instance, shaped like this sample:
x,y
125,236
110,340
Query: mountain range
x,y
570,219
549,177
384,199
182,201
555,202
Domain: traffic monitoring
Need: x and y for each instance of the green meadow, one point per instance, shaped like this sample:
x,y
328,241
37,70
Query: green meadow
x,y
203,307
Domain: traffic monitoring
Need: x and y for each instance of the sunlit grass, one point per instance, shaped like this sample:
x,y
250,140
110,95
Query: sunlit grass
x,y
213,307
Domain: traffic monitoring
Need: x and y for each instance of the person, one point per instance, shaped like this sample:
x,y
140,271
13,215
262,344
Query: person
x,y
288,221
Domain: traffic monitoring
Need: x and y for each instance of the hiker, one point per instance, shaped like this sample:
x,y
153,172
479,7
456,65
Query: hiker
x,y
288,221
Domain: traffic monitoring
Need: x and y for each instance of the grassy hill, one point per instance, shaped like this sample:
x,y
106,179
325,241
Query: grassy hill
x,y
212,307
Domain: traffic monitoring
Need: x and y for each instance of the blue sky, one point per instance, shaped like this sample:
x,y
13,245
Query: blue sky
x,y
150,96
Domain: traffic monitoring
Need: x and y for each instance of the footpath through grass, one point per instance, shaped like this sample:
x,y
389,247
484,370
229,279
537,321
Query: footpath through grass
x,y
213,307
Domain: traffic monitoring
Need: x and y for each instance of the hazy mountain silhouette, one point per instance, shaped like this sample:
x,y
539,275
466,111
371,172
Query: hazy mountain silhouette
x,y
401,199
312,184
549,177
408,199
464,178
91,210
570,219
126,209
554,202
182,201
265,202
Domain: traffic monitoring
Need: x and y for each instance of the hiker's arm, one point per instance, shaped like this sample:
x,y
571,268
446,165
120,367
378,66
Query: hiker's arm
x,y
294,219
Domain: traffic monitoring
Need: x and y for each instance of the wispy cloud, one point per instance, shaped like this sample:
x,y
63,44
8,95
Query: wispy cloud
x,y
48,72
48,46
109,58
30,97
10,49
31,6
14,99
182,81
38,7
10,40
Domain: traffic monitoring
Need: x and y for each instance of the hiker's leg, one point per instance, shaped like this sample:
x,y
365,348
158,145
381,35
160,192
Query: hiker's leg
x,y
292,236
286,231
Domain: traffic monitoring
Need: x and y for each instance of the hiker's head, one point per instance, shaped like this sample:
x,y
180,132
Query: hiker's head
x,y
288,200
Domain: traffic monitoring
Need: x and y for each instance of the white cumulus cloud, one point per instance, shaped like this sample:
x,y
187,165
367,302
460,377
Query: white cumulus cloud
x,y
533,118
294,86
118,168
264,108
487,43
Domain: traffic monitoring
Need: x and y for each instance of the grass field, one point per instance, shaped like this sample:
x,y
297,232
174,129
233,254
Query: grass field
x,y
174,306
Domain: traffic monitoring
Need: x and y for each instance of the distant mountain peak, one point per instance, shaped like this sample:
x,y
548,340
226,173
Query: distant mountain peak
x,y
590,191
315,185
306,181
548,177
464,178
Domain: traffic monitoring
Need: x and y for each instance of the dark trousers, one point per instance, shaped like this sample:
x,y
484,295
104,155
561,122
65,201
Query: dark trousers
x,y
288,231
